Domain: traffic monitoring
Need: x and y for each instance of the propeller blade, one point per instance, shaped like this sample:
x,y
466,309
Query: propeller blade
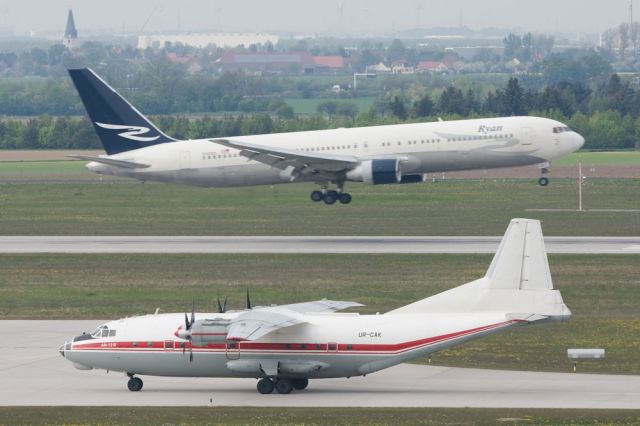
x,y
224,305
248,300
193,312
220,307
186,322
191,353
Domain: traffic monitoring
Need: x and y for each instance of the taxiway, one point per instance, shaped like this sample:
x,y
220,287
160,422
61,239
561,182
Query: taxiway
x,y
298,244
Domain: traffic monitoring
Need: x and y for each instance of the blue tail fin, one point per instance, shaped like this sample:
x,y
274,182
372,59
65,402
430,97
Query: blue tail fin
x,y
120,126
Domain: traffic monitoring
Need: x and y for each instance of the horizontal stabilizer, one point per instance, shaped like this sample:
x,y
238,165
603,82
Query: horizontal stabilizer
x,y
112,161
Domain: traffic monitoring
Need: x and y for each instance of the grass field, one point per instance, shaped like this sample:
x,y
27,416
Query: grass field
x,y
603,293
311,416
461,207
617,158
310,106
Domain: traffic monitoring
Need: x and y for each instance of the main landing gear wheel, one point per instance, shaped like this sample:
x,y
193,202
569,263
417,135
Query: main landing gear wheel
x,y
317,196
330,197
284,386
265,386
134,384
344,198
543,181
300,384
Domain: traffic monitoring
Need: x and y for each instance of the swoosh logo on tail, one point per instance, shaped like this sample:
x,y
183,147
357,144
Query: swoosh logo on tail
x,y
133,133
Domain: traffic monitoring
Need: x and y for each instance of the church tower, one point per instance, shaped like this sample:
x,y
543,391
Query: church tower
x,y
70,33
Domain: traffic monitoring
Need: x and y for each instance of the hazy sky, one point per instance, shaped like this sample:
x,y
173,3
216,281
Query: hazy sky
x,y
308,17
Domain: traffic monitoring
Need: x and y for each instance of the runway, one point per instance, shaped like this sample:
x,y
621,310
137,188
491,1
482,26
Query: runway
x,y
311,244
34,374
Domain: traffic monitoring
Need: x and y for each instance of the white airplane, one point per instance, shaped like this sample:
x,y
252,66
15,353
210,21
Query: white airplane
x,y
402,153
285,346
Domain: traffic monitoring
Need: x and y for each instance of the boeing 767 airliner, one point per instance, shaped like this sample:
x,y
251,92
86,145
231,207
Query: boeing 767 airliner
x,y
392,154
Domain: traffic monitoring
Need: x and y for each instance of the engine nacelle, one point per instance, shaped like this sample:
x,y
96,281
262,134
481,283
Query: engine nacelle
x,y
204,332
413,178
376,172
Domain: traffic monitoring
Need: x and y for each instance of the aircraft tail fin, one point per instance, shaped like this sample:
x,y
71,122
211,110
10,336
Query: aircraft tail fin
x,y
119,125
518,282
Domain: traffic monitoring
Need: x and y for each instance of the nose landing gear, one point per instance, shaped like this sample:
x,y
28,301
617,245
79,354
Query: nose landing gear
x,y
544,169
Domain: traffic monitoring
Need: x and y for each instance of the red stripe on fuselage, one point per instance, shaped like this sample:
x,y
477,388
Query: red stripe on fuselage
x,y
145,346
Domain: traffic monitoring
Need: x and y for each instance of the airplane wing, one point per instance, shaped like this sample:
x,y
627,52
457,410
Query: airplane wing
x,y
323,305
112,161
296,162
258,322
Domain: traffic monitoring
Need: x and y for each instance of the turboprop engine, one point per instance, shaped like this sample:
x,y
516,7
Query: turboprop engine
x,y
203,332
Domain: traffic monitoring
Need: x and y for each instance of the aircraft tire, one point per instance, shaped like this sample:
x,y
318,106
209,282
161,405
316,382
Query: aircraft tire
x,y
265,386
543,181
300,384
344,198
330,197
316,196
284,386
134,384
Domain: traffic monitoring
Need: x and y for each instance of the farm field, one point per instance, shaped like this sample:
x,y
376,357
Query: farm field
x,y
603,292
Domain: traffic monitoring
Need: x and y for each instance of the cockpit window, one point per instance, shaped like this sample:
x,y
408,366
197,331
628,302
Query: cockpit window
x,y
103,331
561,129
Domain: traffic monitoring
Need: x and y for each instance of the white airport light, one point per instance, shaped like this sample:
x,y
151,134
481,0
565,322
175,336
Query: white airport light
x,y
576,354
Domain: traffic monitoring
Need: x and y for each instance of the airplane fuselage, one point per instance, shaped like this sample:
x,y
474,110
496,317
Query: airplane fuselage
x,y
344,344
422,148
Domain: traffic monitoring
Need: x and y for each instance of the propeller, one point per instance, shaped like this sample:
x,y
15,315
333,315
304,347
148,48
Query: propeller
x,y
248,300
222,307
186,332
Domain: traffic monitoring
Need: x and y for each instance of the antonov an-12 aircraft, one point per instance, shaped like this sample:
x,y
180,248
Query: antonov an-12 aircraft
x,y
402,153
285,346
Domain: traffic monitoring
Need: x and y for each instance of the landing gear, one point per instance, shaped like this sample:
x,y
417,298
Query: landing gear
x,y
544,169
284,386
543,181
265,386
317,196
134,384
300,384
331,196
344,198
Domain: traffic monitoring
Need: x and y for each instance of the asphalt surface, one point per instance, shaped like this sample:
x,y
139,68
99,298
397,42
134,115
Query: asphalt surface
x,y
248,244
34,374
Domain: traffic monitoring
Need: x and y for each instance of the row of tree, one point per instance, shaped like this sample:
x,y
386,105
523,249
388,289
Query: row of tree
x,y
602,130
566,97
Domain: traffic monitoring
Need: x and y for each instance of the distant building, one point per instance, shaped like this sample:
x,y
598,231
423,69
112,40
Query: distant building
x,y
206,39
70,39
379,68
267,62
402,67
431,67
330,64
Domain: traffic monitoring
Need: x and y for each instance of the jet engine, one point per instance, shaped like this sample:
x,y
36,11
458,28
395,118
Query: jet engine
x,y
376,172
